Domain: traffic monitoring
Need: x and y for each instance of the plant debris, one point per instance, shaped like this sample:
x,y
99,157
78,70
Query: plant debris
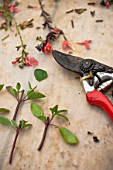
x,y
80,11
5,37
91,3
92,13
38,28
86,43
99,20
16,3
32,7
96,139
72,23
26,24
70,11
89,133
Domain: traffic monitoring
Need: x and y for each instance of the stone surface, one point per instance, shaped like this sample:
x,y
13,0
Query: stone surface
x,y
60,88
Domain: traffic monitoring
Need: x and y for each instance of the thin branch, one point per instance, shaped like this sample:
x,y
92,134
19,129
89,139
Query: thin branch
x,y
18,105
44,134
14,143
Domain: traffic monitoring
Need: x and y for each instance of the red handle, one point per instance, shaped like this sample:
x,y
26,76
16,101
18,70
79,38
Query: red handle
x,y
97,98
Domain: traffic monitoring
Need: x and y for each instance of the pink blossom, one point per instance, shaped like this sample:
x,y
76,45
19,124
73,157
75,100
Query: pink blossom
x,y
47,48
86,43
107,4
66,43
13,9
15,61
30,61
55,30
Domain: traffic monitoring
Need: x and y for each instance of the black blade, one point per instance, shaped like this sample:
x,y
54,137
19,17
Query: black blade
x,y
68,61
80,65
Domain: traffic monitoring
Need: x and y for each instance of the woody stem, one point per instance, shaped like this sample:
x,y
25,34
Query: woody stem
x,y
14,143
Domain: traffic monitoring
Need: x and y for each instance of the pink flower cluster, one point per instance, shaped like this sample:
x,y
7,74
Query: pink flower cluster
x,y
28,61
46,45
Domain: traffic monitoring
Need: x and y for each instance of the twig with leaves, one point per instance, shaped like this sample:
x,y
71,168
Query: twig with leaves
x,y
54,33
22,97
22,125
7,10
25,58
66,134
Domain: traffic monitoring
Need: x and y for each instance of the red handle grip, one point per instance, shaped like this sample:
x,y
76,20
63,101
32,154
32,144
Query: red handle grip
x,y
97,98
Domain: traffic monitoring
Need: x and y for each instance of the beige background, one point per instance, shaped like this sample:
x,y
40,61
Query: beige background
x,y
60,88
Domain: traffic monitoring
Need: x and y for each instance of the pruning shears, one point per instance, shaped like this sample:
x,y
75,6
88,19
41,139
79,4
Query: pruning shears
x,y
96,78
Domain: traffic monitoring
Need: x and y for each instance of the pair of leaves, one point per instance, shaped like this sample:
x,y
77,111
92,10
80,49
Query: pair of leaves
x,y
32,94
24,124
38,112
4,120
57,112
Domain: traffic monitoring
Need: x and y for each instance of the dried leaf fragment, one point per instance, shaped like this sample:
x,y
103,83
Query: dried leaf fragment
x,y
80,11
26,24
92,13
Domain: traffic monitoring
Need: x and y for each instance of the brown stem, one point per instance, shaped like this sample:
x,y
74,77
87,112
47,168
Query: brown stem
x,y
44,134
44,15
18,105
18,32
14,143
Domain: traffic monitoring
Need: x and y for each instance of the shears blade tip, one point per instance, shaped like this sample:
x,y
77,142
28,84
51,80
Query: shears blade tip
x,y
67,61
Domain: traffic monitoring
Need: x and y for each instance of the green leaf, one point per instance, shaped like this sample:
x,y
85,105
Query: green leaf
x,y
36,110
1,86
29,84
12,91
14,124
68,136
27,125
40,74
4,110
18,47
54,109
18,86
60,111
22,123
63,116
43,118
4,120
35,95
31,90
